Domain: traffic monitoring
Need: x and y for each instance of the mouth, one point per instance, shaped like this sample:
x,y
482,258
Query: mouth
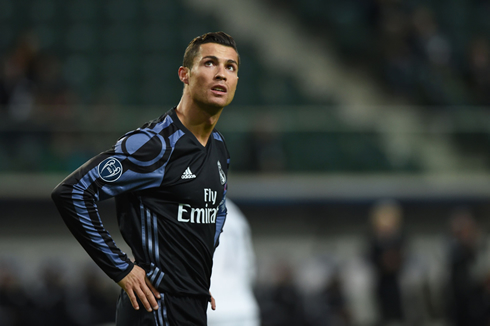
x,y
219,89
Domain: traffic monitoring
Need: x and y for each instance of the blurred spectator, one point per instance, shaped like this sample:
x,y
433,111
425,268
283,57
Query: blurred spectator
x,y
267,152
387,256
281,304
50,298
465,303
94,302
326,305
486,299
398,64
14,303
479,69
233,274
437,74
51,301
335,302
31,79
17,78
415,48
53,97
32,93
429,43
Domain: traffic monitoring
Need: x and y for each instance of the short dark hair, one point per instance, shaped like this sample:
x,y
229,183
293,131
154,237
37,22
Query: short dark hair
x,y
213,37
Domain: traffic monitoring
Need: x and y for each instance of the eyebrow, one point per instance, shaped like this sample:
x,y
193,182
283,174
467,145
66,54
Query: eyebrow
x,y
217,59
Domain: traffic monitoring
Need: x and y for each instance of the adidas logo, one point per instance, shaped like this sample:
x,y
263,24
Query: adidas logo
x,y
188,174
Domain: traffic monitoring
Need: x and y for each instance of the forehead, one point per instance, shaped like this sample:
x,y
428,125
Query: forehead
x,y
219,51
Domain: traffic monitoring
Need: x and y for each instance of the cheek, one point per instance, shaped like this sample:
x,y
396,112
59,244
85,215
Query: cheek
x,y
196,83
233,86
201,81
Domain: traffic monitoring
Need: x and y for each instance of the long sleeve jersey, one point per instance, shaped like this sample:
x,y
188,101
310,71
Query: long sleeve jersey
x,y
170,195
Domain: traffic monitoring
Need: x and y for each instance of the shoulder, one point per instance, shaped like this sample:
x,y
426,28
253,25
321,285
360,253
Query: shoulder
x,y
157,125
220,140
149,141
218,136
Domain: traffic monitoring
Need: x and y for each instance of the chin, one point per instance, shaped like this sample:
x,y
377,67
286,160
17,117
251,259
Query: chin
x,y
212,108
219,104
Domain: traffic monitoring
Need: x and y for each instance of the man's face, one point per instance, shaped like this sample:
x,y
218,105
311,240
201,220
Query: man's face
x,y
213,78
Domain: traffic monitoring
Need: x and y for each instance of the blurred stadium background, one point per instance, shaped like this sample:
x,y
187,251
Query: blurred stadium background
x,y
342,107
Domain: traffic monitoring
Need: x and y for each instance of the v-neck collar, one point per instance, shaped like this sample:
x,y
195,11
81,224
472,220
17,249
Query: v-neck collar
x,y
175,118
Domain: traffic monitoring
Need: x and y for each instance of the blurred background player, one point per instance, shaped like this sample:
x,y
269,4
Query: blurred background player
x,y
387,256
465,302
233,274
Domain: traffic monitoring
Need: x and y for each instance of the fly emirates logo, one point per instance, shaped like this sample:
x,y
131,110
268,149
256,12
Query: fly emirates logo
x,y
206,215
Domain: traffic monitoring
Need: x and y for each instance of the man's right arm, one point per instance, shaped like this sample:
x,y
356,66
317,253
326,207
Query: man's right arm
x,y
76,199
106,175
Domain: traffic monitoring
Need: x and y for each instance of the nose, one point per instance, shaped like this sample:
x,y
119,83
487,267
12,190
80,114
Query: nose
x,y
220,75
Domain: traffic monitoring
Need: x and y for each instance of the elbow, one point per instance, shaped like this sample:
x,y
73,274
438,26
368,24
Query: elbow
x,y
60,194
61,198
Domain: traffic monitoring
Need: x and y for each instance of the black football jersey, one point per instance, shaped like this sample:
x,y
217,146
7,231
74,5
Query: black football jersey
x,y
170,195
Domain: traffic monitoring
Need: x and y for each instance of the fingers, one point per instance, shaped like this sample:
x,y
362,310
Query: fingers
x,y
132,298
152,289
147,298
137,286
213,303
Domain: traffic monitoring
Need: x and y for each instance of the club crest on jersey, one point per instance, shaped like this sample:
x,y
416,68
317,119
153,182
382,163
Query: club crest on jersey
x,y
110,169
222,175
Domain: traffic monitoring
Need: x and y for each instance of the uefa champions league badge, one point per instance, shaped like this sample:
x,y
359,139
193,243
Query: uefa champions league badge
x,y
110,169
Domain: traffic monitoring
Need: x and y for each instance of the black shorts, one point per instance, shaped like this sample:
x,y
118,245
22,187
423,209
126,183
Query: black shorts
x,y
172,311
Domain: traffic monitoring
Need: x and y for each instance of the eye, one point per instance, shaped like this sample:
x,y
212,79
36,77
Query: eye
x,y
231,68
208,63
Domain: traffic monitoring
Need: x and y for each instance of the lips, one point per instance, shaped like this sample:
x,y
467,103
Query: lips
x,y
219,89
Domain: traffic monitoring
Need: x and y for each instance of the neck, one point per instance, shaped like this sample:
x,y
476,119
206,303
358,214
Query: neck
x,y
199,120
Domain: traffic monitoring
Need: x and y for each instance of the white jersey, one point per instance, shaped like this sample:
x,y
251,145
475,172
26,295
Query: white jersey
x,y
233,274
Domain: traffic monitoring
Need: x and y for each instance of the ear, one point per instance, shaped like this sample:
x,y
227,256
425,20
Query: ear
x,y
184,75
